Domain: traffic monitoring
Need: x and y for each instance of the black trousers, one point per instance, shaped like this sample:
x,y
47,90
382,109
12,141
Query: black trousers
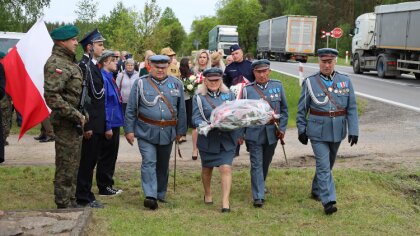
x,y
102,153
108,158
91,150
1,140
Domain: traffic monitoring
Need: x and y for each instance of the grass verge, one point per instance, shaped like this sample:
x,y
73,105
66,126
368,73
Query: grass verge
x,y
369,204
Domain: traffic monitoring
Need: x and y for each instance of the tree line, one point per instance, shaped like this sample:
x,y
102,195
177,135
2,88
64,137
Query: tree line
x,y
126,28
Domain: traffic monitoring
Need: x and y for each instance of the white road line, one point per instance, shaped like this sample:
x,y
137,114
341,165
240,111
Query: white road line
x,y
413,108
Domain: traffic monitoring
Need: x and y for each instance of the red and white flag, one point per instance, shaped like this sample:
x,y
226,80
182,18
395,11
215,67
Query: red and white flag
x,y
24,69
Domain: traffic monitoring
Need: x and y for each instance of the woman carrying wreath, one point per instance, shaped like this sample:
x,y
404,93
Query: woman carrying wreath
x,y
217,149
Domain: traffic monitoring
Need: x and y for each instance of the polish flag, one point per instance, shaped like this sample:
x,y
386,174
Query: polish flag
x,y
24,69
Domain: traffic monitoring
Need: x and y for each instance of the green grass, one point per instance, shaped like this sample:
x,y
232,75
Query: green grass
x,y
292,88
369,204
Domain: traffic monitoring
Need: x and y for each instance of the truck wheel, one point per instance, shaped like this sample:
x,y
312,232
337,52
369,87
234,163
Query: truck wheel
x,y
356,64
381,67
417,75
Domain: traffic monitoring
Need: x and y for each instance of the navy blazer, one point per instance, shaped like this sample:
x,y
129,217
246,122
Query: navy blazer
x,y
95,107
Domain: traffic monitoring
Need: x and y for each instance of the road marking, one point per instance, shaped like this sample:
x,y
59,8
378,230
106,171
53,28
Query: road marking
x,y
398,104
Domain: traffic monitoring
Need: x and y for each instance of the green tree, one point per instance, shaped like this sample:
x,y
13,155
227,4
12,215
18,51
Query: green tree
x,y
120,31
246,14
18,15
200,31
169,31
86,12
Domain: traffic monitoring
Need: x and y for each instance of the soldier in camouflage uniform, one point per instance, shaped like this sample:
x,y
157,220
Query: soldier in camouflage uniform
x,y
63,87
6,115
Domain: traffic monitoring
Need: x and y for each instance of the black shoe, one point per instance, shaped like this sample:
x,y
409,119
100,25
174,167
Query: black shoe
x,y
314,197
207,203
47,139
329,208
258,203
225,210
150,203
39,137
109,191
162,200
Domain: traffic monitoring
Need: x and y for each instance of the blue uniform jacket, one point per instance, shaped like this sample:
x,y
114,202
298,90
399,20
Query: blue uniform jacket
x,y
236,69
215,138
113,105
274,92
324,128
144,100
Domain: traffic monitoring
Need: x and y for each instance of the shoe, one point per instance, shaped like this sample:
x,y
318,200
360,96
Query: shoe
x,y
47,139
117,190
225,210
150,203
109,191
39,137
314,197
96,204
162,200
258,203
92,204
194,157
207,203
183,139
329,208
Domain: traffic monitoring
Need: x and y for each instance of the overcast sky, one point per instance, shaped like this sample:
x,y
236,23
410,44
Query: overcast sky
x,y
185,10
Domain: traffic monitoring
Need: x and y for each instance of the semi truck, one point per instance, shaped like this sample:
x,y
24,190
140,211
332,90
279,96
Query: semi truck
x,y
9,40
388,40
222,37
287,37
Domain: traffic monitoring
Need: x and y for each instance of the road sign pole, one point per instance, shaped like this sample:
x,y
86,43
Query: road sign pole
x,y
327,40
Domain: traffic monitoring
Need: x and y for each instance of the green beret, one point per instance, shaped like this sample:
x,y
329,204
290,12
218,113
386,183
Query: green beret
x,y
2,54
64,32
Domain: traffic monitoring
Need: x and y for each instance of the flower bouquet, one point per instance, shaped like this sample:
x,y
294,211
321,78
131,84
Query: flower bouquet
x,y
190,85
239,114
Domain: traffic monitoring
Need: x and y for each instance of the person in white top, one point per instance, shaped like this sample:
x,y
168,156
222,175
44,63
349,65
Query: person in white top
x,y
125,80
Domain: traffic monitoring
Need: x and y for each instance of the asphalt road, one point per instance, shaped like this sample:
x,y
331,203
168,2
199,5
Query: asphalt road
x,y
403,91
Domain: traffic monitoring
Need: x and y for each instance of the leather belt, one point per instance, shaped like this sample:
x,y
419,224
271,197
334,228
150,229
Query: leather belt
x,y
161,123
328,113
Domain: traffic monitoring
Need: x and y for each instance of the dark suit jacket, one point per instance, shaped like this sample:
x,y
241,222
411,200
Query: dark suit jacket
x,y
2,81
96,107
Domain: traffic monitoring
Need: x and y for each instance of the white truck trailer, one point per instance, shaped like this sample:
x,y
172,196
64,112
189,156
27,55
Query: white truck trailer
x,y
388,40
9,40
287,37
222,37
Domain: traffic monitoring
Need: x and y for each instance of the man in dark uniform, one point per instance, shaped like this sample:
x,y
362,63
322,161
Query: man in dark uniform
x,y
94,131
262,140
328,97
238,69
156,116
63,86
2,93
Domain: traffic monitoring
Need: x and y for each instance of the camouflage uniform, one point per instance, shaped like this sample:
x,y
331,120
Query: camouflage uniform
x,y
6,109
63,86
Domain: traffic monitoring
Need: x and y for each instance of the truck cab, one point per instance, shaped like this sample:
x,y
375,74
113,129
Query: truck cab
x,y
222,37
363,38
9,40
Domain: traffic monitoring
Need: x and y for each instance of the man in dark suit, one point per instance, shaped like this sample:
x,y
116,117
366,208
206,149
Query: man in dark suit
x,y
94,130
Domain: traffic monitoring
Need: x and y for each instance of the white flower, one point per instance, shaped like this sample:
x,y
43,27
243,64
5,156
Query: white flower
x,y
192,78
190,87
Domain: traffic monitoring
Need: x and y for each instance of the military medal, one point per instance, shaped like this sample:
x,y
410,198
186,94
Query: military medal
x,y
335,90
330,89
276,95
347,90
340,91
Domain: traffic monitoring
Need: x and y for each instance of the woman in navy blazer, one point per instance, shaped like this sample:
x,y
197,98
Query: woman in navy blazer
x,y
217,149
